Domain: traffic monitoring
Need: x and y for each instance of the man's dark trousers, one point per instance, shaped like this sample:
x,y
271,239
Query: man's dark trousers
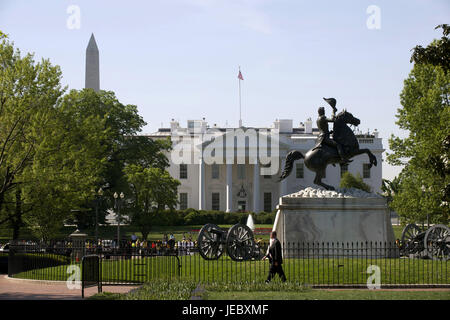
x,y
276,261
274,270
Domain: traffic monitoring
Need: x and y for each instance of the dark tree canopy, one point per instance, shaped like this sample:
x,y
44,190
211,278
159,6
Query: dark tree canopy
x,y
436,53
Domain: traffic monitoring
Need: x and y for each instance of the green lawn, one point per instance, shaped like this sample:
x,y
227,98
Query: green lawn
x,y
185,289
315,294
305,271
154,290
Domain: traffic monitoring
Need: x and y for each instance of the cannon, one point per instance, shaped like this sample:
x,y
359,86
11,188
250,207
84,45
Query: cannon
x,y
239,243
433,242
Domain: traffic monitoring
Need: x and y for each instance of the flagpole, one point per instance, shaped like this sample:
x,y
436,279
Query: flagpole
x,y
240,108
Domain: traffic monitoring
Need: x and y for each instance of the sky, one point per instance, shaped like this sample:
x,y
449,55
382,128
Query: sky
x,y
179,58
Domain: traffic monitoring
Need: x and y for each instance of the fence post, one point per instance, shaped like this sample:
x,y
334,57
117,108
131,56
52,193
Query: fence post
x,y
91,273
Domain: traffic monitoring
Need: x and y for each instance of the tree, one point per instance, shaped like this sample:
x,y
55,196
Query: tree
x,y
390,188
154,190
437,53
55,148
68,162
28,94
425,115
350,181
121,146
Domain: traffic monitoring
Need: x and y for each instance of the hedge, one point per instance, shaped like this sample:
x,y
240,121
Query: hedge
x,y
199,217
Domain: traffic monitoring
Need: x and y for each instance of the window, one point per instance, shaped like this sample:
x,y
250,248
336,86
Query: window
x,y
183,201
344,169
242,205
299,171
183,171
366,170
215,171
241,171
267,202
215,201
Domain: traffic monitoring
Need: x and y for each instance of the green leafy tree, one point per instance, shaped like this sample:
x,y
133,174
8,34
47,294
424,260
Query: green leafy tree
x,y
29,91
56,148
122,145
425,115
390,188
437,53
153,190
350,181
68,162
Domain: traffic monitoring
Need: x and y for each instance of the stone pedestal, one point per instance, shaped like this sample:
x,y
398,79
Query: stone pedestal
x,y
333,223
78,245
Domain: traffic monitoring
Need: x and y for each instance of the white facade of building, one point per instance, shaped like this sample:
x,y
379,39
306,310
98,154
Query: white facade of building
x,y
234,187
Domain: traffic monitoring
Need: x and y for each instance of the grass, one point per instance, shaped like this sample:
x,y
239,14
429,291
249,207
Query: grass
x,y
305,271
316,294
183,290
155,290
124,271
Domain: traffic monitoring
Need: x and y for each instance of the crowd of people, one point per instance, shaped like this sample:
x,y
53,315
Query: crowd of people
x,y
166,245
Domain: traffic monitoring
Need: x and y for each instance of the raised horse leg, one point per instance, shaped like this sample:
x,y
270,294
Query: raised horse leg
x,y
318,180
372,158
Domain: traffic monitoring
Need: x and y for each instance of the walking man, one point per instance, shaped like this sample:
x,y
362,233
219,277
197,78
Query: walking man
x,y
275,258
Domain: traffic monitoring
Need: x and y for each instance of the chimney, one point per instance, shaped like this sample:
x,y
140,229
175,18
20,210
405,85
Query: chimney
x,y
375,133
308,126
174,125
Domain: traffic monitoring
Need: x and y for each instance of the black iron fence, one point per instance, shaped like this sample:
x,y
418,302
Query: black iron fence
x,y
91,275
314,264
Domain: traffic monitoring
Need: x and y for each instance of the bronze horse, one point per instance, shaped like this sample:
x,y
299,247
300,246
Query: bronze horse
x,y
318,158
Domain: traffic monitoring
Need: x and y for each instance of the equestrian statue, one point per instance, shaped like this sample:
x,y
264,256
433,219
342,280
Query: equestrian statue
x,y
339,148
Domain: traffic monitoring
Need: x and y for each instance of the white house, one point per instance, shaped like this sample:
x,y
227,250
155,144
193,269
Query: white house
x,y
232,186
235,182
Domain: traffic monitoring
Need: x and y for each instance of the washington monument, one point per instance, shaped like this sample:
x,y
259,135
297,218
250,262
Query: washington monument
x,y
92,66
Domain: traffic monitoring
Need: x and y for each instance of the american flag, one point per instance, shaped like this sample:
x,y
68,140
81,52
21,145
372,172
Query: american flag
x,y
240,75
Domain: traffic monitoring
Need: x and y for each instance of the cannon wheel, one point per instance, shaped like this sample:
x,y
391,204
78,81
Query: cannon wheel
x,y
240,242
409,239
258,252
209,242
437,242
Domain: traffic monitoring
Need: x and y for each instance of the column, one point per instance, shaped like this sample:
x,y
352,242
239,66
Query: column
x,y
229,187
256,195
283,183
201,185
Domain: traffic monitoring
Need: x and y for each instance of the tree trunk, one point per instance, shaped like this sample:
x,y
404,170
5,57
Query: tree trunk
x,y
17,222
145,231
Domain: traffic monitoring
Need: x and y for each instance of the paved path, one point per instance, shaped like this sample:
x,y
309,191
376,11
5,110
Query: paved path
x,y
15,289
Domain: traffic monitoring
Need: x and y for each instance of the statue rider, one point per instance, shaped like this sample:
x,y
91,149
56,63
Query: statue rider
x,y
324,134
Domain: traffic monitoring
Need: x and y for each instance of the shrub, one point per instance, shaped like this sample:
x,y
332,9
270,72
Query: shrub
x,y
191,218
350,181
200,217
